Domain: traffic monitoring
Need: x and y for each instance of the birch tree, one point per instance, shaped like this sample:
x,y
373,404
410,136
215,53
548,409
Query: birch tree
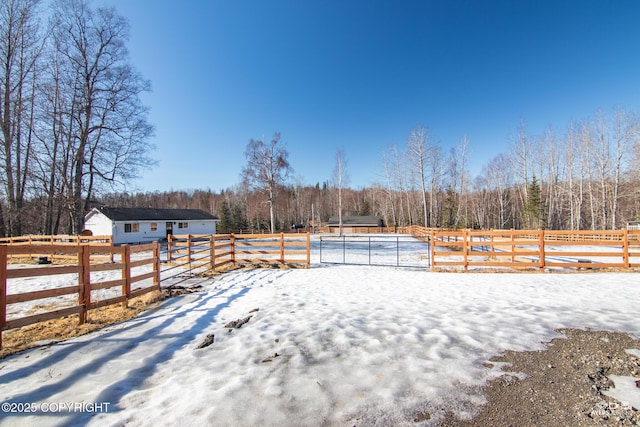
x,y
626,131
267,167
457,182
436,173
340,181
574,186
521,146
418,152
498,172
389,189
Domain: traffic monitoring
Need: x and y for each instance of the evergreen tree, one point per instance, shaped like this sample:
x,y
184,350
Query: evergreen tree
x,y
450,208
534,210
365,208
239,219
225,225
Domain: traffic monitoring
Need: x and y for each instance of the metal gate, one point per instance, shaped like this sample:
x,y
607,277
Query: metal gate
x,y
393,250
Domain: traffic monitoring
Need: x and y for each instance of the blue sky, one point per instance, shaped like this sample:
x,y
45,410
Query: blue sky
x,y
359,74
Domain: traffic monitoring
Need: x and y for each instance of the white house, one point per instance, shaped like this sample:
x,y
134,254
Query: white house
x,y
135,225
633,225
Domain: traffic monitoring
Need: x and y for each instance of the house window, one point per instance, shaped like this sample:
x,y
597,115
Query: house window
x,y
154,226
183,225
132,227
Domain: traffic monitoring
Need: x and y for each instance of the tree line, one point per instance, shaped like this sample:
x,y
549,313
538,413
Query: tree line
x,y
587,177
72,123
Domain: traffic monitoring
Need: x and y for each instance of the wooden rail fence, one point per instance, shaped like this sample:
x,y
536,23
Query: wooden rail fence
x,y
88,255
538,249
214,251
83,267
36,242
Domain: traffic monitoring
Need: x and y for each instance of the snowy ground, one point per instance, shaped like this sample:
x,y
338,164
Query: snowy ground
x,y
330,345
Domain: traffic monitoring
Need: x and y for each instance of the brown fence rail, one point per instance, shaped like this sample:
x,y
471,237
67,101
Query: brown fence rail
x,y
214,251
534,249
38,242
86,297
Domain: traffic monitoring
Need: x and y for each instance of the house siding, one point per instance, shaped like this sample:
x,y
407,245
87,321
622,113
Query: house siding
x,y
101,225
144,233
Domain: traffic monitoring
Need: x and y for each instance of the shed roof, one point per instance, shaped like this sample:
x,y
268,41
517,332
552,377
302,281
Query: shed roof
x,y
151,214
363,221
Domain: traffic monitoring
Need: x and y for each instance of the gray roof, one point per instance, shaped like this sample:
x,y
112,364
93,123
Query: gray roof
x,y
350,221
151,214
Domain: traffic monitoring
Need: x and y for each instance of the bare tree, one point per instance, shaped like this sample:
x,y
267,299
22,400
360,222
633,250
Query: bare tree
x,y
436,173
398,184
457,182
402,181
626,131
521,147
267,167
20,47
106,134
340,181
389,189
575,176
462,153
497,178
419,150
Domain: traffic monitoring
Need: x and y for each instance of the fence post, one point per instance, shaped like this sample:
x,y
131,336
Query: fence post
x,y
126,274
3,289
282,247
513,245
492,247
432,249
84,282
189,252
541,249
170,248
308,249
156,264
212,252
625,247
232,244
465,246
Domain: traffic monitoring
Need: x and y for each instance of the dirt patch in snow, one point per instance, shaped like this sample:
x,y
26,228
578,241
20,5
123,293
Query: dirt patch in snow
x,y
564,384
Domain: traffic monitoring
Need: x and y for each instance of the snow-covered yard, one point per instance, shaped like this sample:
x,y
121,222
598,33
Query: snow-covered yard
x,y
329,345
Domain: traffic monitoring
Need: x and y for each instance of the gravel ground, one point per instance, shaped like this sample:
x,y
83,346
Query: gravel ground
x,y
564,384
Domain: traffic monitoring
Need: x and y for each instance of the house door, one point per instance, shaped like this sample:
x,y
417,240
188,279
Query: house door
x,y
169,228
